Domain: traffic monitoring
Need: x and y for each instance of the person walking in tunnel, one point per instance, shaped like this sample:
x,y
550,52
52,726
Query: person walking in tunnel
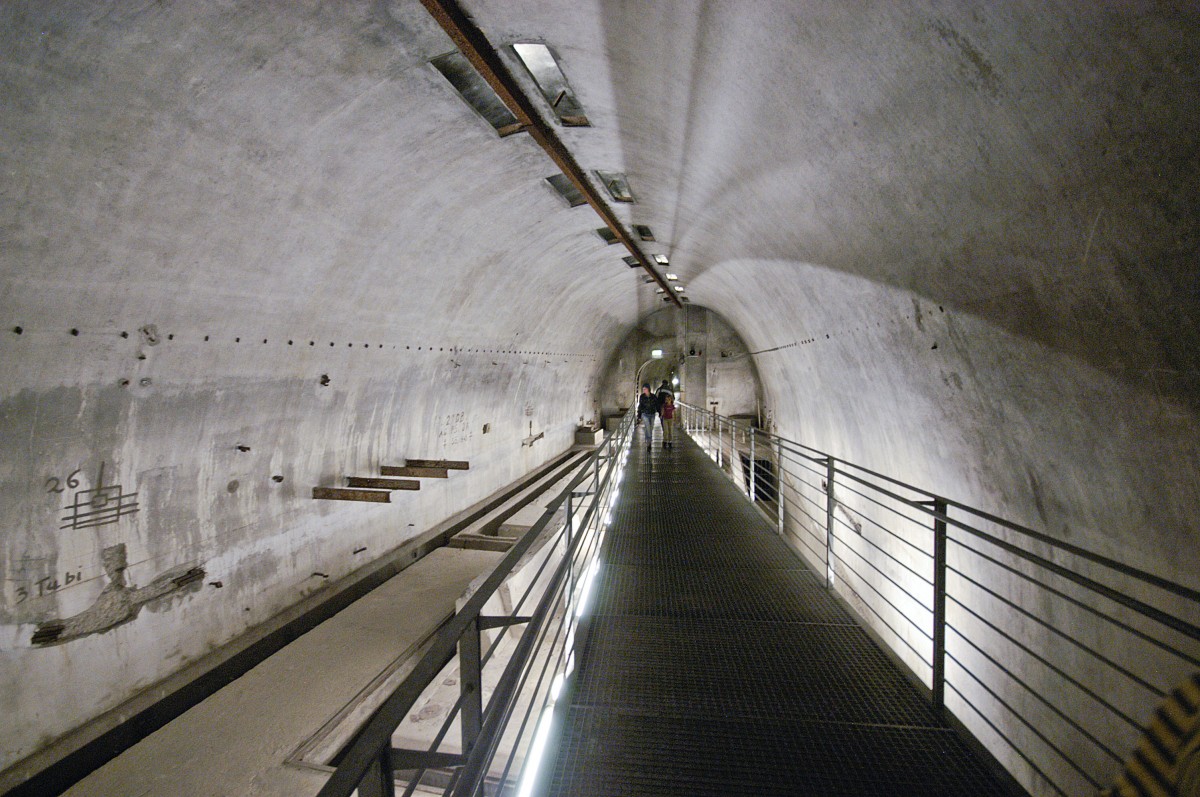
x,y
661,395
647,408
663,391
667,413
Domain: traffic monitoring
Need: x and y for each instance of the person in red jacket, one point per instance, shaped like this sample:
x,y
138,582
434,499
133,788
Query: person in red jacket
x,y
667,413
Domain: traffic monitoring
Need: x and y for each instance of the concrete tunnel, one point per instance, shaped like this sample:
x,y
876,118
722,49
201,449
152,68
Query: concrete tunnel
x,y
251,248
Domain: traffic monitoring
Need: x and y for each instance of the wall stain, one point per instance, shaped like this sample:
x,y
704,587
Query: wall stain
x,y
1035,487
976,69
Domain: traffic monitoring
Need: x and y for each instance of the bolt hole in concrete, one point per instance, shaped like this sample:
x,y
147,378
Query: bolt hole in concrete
x,y
324,380
75,332
124,334
277,479
18,330
243,448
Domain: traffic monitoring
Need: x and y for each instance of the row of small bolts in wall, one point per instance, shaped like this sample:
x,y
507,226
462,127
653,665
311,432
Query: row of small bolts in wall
x,y
453,349
828,336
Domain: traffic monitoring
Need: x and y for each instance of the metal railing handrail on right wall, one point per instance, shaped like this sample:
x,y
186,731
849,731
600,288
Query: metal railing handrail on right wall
x,y
1052,656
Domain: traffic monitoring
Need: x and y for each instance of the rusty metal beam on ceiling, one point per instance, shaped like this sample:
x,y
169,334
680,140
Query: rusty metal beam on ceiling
x,y
470,40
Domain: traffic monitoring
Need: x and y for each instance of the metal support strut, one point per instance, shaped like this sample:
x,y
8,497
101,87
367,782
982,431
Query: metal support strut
x,y
939,603
830,503
753,465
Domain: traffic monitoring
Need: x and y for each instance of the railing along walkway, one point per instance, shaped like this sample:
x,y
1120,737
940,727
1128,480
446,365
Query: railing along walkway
x,y
717,663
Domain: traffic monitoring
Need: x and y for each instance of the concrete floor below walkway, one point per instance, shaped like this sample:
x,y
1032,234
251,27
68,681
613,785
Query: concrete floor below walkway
x,y
239,740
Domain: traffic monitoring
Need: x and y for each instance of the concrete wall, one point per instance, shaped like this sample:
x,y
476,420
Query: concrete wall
x,y
239,262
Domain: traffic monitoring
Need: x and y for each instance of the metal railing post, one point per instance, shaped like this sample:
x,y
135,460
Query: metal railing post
x,y
779,482
939,603
720,441
753,465
470,684
567,553
725,458
830,470
380,779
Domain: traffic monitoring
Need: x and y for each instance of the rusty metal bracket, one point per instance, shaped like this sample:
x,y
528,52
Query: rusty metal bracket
x,y
473,44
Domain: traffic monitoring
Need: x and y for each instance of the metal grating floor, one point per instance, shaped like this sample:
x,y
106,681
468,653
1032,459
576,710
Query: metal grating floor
x,y
718,665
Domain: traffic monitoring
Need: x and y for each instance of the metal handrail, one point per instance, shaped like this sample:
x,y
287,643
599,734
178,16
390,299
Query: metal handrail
x,y
990,649
368,762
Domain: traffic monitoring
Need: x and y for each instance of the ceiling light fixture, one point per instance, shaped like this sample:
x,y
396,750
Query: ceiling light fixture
x,y
617,185
544,69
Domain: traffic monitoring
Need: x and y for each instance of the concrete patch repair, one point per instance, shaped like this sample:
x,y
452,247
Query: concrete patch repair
x,y
119,603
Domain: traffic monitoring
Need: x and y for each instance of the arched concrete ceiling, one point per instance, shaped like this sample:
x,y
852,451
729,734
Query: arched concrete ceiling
x,y
972,229
1031,164
283,161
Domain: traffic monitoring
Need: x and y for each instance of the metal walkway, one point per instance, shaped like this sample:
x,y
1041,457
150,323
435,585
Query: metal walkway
x,y
718,665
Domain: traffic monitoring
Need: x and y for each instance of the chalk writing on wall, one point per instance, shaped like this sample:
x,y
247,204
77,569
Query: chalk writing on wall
x,y
454,429
55,485
99,505
44,586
